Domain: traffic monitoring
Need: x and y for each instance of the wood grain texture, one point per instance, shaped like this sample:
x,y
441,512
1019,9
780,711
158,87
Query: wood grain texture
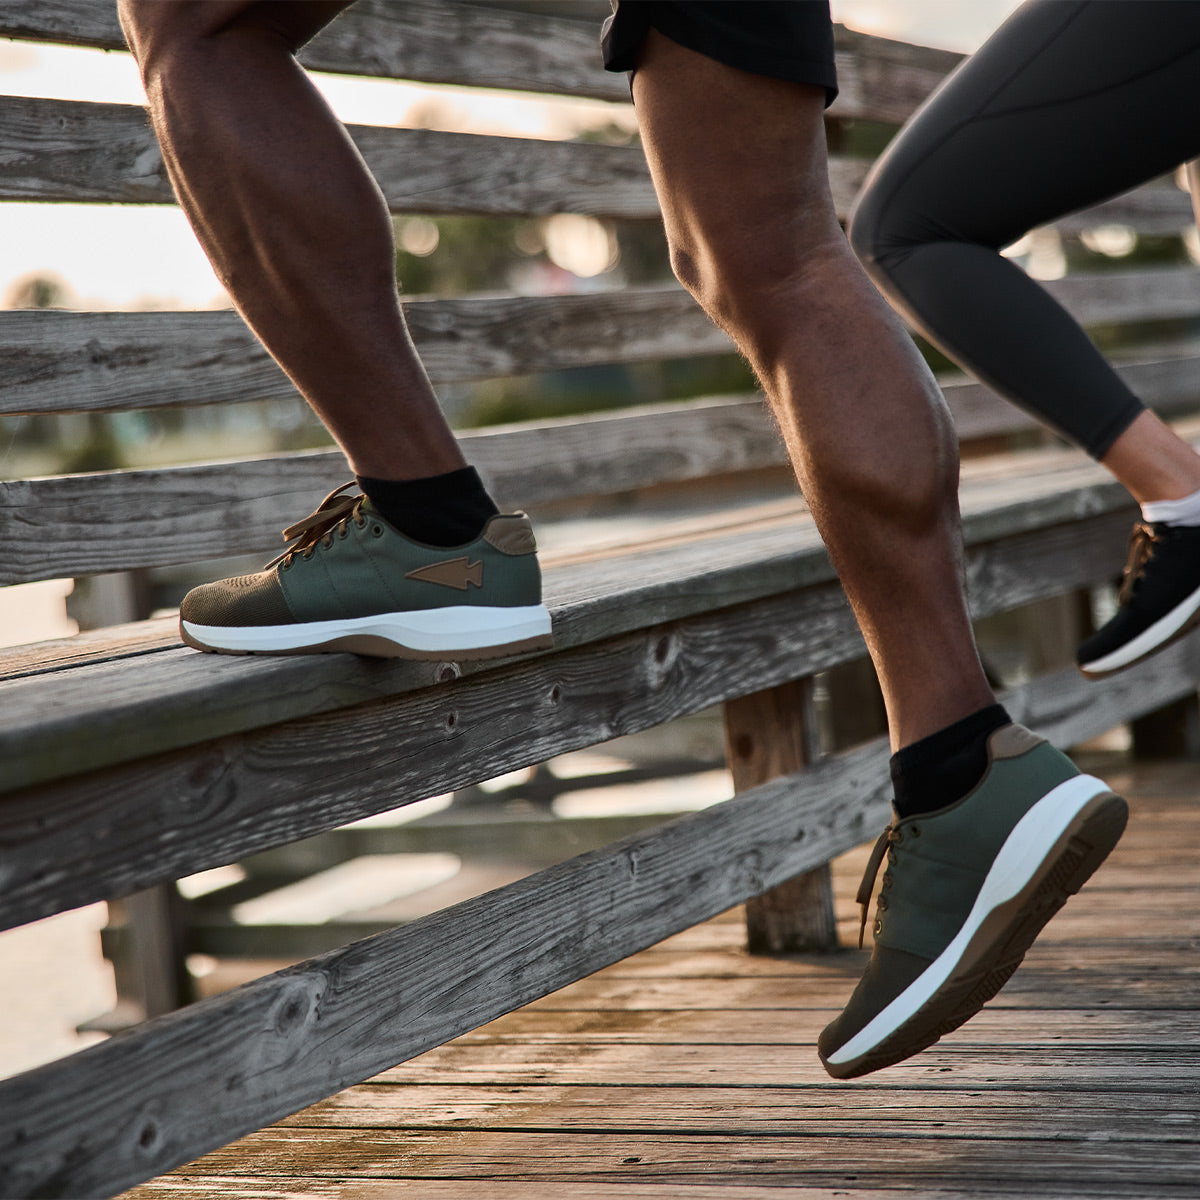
x,y
132,1107
767,734
106,153
487,45
125,827
61,361
76,152
1007,1079
1028,539
69,525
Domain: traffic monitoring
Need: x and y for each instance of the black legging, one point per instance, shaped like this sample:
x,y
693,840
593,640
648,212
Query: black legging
x,y
1069,103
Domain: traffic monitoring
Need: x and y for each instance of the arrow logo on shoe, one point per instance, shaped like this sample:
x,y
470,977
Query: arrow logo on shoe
x,y
458,573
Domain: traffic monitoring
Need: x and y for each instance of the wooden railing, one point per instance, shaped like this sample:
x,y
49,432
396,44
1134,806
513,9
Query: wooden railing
x,y
128,761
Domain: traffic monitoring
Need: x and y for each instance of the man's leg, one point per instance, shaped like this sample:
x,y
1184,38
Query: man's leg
x,y
291,219
739,164
299,233
995,828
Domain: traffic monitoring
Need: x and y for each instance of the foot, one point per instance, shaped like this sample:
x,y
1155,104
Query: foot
x,y
1159,599
350,581
966,891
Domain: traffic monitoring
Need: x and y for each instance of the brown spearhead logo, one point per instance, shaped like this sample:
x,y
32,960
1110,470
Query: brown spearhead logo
x,y
458,573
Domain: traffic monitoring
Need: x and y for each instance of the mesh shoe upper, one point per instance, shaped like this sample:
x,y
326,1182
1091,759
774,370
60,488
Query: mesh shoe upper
x,y
348,562
937,863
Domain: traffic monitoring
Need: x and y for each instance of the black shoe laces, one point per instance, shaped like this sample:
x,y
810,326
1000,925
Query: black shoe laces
x,y
331,514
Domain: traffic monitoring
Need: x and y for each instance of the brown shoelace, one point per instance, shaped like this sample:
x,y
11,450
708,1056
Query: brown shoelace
x,y
1141,550
320,525
887,842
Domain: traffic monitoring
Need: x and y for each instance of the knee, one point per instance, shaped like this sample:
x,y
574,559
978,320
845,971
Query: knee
x,y
745,278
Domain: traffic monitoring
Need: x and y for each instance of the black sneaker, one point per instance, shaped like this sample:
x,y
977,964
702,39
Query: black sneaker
x,y
1159,599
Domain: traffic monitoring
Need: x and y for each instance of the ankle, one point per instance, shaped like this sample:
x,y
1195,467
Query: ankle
x,y
942,768
438,510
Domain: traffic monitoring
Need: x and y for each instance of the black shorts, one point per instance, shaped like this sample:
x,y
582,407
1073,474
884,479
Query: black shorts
x,y
785,39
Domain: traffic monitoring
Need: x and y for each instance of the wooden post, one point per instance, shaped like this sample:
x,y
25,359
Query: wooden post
x,y
1171,732
767,734
150,969
152,977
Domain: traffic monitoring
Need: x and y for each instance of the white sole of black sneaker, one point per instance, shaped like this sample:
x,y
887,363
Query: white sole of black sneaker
x,y
1156,637
460,631
1028,857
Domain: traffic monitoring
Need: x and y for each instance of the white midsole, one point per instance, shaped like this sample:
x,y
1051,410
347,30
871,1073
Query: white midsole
x,y
1162,630
1019,859
460,627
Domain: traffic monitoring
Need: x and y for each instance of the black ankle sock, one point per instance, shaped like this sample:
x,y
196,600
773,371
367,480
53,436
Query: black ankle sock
x,y
440,510
945,766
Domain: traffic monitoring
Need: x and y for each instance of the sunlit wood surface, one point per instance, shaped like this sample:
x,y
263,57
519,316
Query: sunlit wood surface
x,y
690,1070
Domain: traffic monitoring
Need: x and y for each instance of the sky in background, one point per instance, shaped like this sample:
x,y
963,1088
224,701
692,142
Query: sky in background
x,y
120,257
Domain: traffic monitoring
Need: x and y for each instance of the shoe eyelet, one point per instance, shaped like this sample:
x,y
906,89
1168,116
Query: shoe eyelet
x,y
342,533
877,928
897,838
377,530
882,903
915,830
306,554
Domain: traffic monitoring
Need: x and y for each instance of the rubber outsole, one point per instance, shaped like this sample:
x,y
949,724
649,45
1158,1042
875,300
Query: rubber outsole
x,y
434,635
999,945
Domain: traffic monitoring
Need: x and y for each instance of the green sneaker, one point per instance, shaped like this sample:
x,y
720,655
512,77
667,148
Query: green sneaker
x,y
350,581
966,891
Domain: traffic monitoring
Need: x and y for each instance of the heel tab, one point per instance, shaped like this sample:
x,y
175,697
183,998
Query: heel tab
x,y
1011,741
511,533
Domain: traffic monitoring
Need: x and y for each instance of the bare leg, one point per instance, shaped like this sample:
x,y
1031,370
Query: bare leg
x,y
291,218
1153,461
739,162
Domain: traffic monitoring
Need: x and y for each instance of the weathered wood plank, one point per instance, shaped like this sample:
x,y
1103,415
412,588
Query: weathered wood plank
x,y
173,697
56,527
1123,1029
74,842
435,41
67,151
60,361
1031,987
767,734
485,45
206,1187
106,153
68,525
992,1165
53,361
273,1046
709,1108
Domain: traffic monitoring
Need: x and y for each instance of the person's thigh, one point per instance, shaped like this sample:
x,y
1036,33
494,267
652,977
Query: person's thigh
x,y
1069,103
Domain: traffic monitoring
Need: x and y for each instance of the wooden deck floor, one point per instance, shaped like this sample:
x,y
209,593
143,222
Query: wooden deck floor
x,y
689,1071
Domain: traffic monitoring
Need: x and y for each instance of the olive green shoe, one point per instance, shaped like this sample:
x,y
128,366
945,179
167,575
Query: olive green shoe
x,y
350,581
966,891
